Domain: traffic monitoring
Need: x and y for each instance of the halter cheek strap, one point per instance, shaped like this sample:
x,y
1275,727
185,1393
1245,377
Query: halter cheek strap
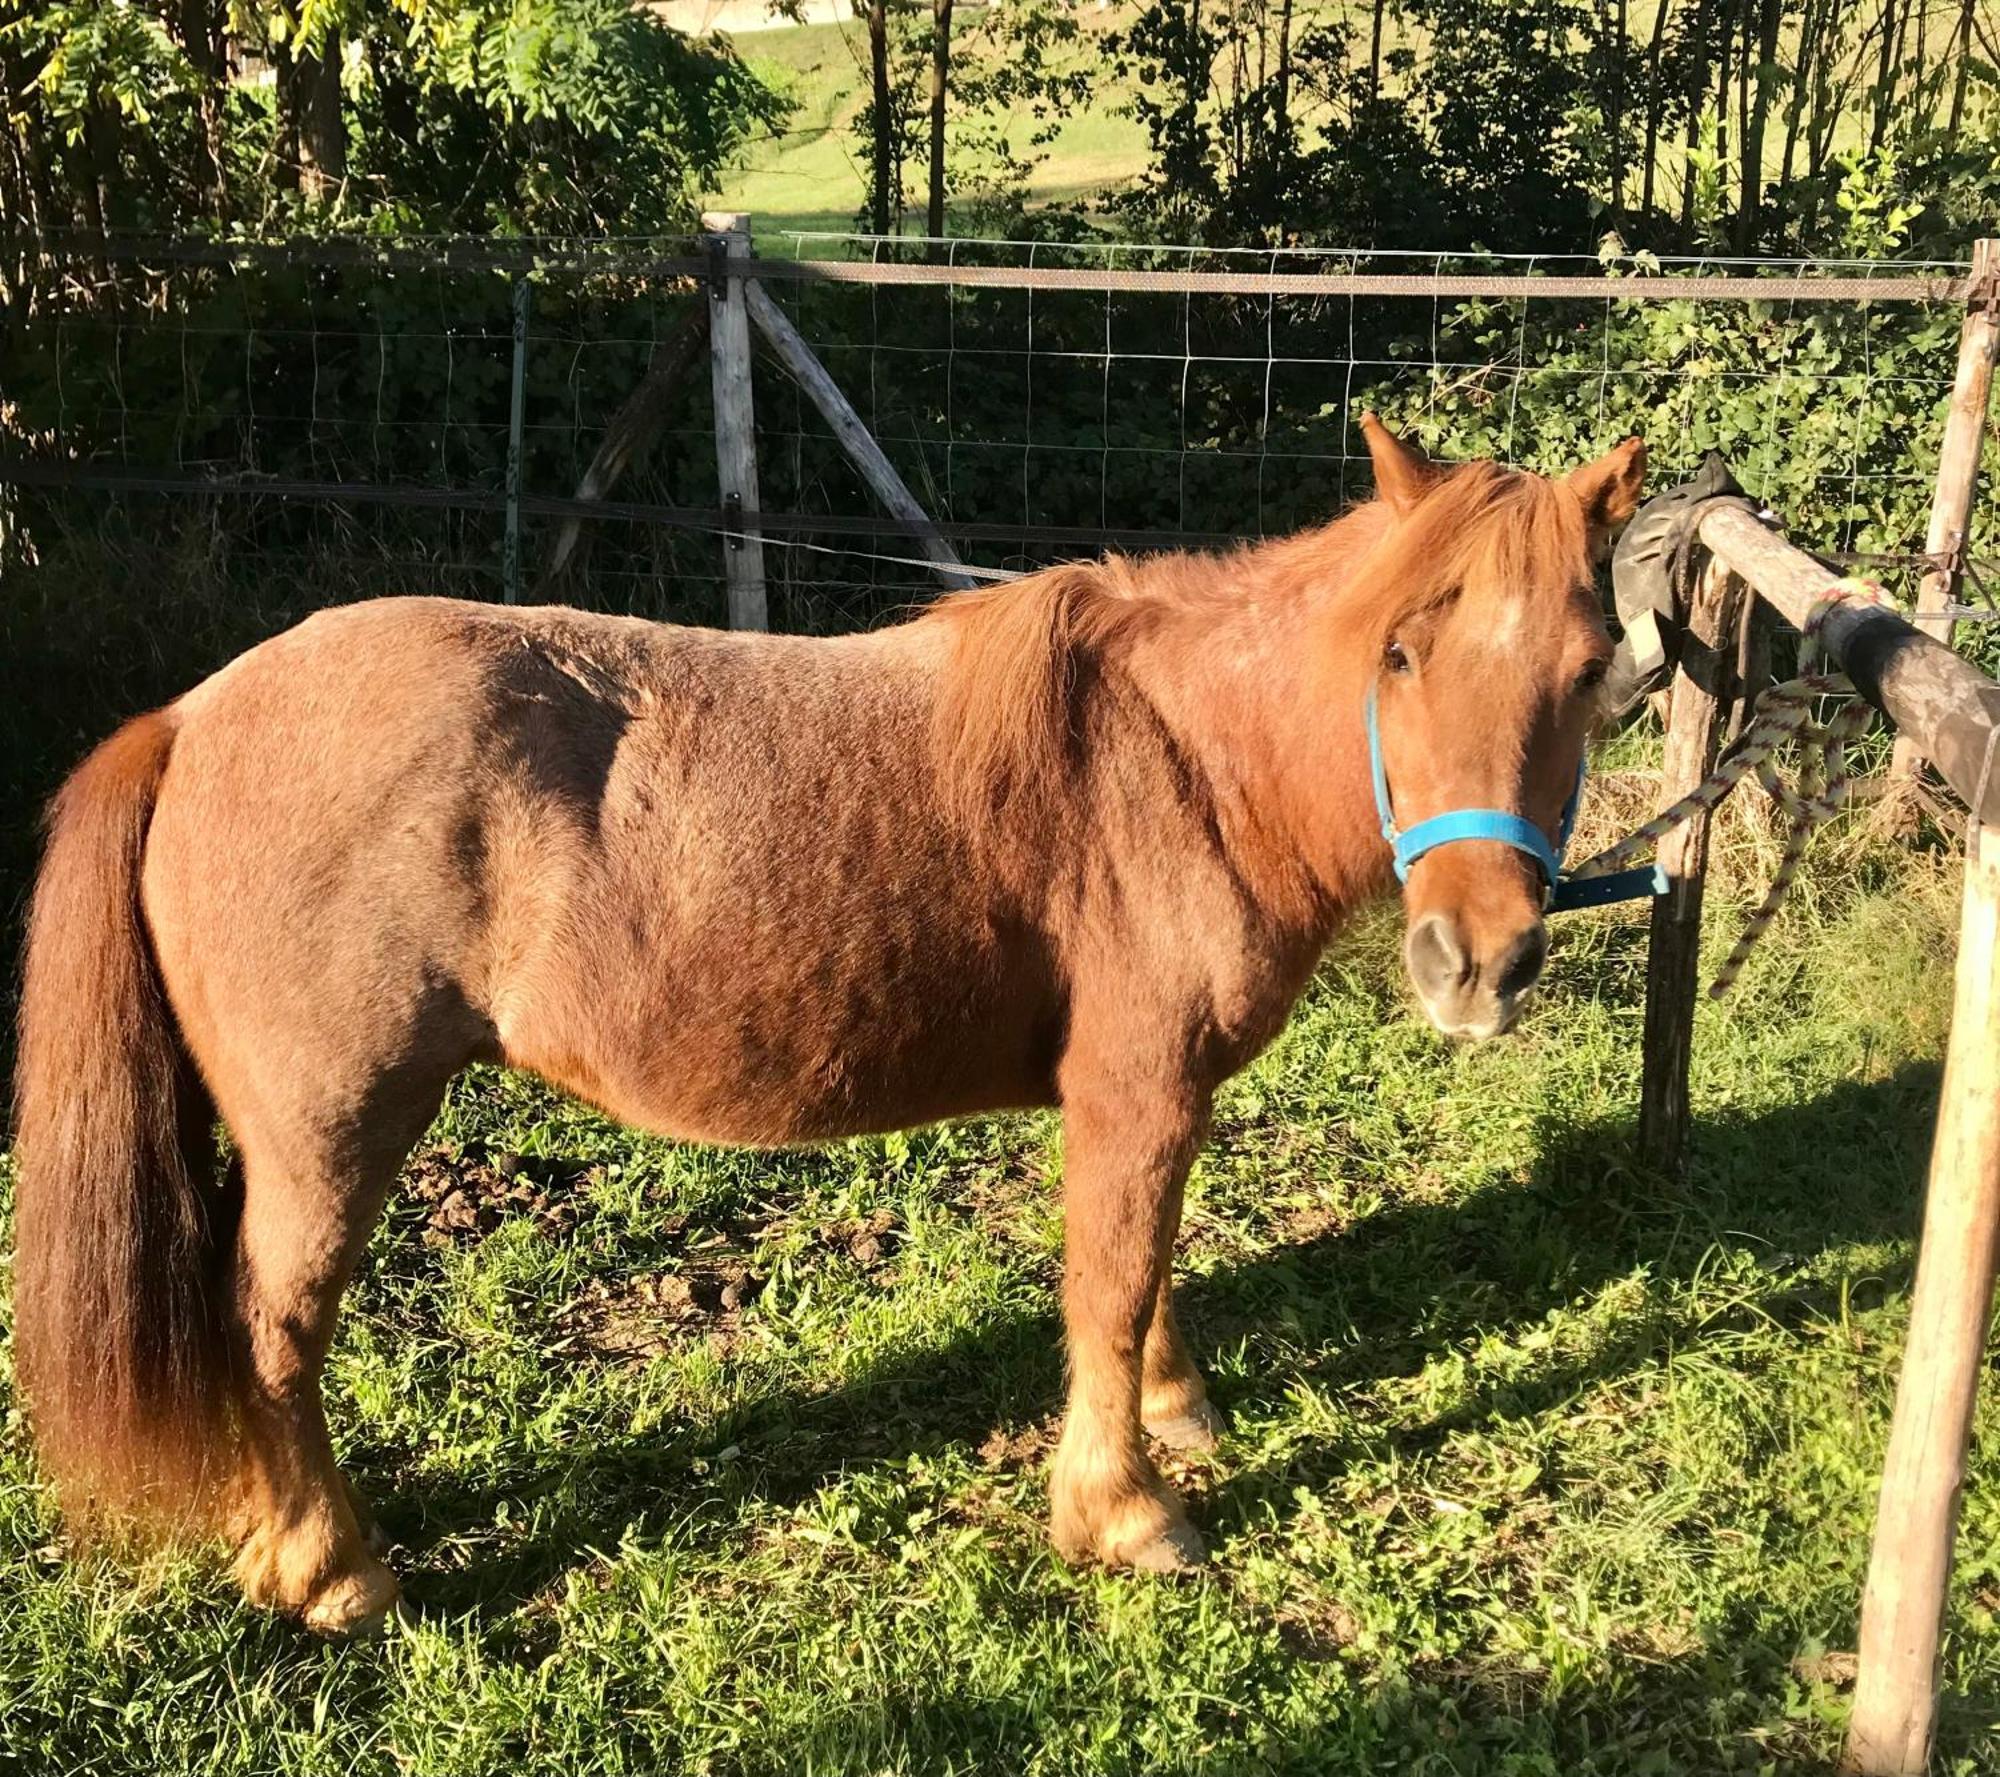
x,y
1504,828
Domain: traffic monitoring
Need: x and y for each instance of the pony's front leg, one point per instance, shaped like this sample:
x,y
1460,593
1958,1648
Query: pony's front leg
x,y
1173,1399
1127,1142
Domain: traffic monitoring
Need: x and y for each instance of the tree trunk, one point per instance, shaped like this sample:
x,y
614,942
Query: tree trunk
x,y
878,56
1745,174
1697,85
1616,107
1281,109
1260,124
1921,88
1726,43
1232,130
200,27
1656,100
1962,67
1885,96
111,197
1375,52
940,81
1770,17
1820,122
285,77
322,125
1795,108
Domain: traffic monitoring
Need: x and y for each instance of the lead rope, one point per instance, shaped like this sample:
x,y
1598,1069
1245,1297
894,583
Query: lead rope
x,y
1782,713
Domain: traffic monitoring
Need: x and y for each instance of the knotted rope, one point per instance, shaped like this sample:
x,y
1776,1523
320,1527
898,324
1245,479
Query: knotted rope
x,y
1782,713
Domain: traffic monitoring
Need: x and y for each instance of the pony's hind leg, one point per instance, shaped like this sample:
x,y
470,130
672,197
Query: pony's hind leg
x,y
303,1546
1127,1147
319,1155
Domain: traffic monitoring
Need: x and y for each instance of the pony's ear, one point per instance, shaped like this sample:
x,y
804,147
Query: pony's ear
x,y
1608,489
1403,474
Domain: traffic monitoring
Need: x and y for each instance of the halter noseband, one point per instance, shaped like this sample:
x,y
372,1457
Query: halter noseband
x,y
1499,825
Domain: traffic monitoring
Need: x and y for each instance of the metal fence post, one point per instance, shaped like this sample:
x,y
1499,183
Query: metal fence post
x,y
510,556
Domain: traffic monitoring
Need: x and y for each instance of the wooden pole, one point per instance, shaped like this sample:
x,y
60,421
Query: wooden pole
x,y
728,239
1958,467
852,435
1952,711
1696,717
510,552
1909,1568
1945,703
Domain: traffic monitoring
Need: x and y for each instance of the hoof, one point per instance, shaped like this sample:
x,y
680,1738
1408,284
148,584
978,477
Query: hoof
x,y
1197,1429
1174,1550
355,1605
1145,1530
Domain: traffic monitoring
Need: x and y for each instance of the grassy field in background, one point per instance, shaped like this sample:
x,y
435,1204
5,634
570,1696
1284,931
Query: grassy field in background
x,y
811,176
719,1462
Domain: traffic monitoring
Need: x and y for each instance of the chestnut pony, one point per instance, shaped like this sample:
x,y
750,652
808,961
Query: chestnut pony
x,y
1077,841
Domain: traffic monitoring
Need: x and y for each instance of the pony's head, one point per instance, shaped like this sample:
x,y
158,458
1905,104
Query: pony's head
x,y
1485,667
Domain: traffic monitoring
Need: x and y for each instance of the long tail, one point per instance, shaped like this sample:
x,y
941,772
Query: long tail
x,y
122,1346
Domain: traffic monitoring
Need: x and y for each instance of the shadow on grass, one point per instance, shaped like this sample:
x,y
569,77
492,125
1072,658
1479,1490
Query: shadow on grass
x,y
1375,1302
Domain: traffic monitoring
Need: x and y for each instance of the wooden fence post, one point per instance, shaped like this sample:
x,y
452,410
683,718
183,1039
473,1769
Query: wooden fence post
x,y
1909,1568
1696,717
728,238
1952,710
510,549
1958,467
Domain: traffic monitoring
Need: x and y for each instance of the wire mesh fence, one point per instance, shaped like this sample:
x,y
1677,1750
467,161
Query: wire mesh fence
x,y
340,417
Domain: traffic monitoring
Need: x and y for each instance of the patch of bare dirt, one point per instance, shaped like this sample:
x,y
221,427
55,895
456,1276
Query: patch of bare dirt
x,y
1019,1447
871,1242
1000,1198
465,1196
1317,1628
637,1318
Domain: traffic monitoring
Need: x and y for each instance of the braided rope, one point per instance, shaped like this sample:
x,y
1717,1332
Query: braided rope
x,y
1783,713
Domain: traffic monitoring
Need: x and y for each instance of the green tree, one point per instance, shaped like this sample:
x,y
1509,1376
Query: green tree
x,y
542,115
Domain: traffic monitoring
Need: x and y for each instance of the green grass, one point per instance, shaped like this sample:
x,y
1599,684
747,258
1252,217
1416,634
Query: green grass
x,y
1537,1464
810,176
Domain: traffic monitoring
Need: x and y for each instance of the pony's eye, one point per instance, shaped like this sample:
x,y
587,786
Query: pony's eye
x,y
1591,677
1396,658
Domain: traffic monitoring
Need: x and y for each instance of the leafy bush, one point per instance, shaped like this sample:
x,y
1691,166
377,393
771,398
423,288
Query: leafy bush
x,y
577,116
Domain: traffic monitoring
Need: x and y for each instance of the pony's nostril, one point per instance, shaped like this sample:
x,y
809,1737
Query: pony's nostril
x,y
1437,959
1516,969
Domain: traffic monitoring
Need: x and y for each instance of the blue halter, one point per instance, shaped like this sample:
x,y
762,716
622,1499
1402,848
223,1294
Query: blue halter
x,y
1506,829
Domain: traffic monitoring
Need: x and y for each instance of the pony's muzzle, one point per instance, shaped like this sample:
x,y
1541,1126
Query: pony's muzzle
x,y
1471,989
